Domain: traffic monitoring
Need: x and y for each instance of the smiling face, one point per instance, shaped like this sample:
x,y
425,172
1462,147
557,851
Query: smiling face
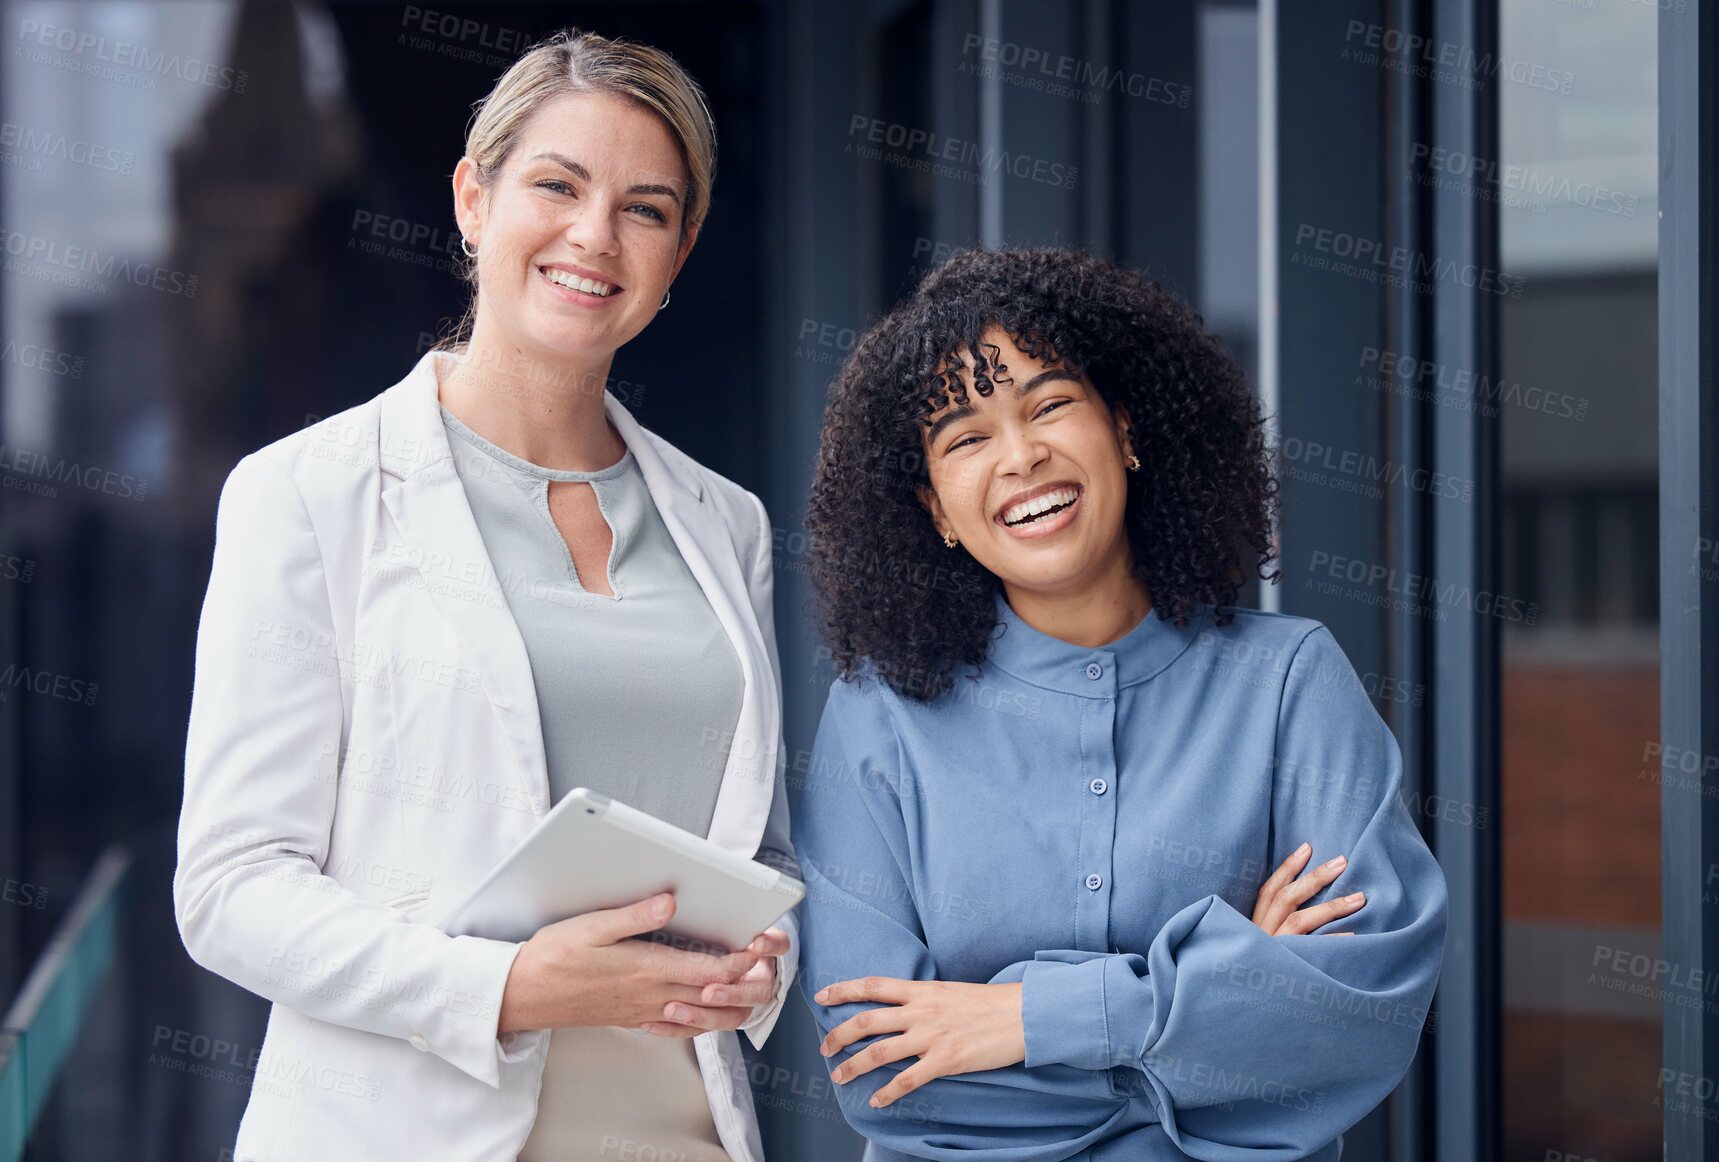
x,y
580,232
1031,478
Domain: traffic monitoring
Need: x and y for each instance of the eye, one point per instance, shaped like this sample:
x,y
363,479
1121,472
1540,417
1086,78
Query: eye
x,y
961,443
650,210
556,185
1051,406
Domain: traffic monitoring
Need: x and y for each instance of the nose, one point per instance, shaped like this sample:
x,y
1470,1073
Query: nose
x,y
592,228
1022,450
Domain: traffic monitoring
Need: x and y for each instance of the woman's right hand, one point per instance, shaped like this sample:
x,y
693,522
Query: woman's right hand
x,y
584,971
1278,908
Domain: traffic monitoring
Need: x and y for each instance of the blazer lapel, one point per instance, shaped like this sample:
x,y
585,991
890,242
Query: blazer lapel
x,y
430,512
748,781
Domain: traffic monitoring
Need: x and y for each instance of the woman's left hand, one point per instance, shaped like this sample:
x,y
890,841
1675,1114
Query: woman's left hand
x,y
950,1026
727,1006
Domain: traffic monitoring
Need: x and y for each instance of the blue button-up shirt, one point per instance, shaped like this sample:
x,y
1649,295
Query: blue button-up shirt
x,y
1095,823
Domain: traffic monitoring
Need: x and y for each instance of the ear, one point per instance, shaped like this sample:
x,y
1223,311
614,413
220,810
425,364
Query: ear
x,y
685,249
1123,421
469,196
928,499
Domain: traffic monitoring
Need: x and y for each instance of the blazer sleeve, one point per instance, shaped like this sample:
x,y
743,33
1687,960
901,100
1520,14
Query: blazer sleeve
x,y
859,919
250,898
1259,1047
776,848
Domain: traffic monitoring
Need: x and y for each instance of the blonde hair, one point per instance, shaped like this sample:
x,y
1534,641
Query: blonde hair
x,y
571,61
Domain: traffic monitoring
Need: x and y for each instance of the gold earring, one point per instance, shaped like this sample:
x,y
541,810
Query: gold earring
x,y
949,541
1133,462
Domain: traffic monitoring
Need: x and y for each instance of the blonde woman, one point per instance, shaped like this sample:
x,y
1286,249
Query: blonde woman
x,y
431,616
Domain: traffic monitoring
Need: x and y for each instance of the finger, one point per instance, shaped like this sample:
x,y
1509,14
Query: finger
x,y
889,989
703,1017
746,992
905,1083
669,1029
1307,919
698,968
1314,882
770,942
1286,872
872,1056
860,1026
611,925
1298,893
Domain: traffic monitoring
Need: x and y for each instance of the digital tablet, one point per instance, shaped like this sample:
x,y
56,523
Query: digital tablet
x,y
593,852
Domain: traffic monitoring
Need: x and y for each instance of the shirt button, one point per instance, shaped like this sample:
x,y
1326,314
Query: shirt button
x,y
419,1043
1095,881
1099,786
1094,671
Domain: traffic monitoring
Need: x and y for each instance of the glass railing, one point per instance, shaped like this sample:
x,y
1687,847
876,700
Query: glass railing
x,y
39,1029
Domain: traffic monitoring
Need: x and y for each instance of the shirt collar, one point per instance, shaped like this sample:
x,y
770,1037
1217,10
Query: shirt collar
x,y
1090,671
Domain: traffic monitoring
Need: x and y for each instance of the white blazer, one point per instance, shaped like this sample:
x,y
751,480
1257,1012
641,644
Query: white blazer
x,y
364,745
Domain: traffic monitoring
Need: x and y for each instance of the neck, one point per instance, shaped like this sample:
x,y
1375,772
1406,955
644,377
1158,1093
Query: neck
x,y
546,411
1090,615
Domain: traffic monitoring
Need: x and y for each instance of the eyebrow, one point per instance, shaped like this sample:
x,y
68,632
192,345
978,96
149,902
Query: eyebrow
x,y
962,411
584,175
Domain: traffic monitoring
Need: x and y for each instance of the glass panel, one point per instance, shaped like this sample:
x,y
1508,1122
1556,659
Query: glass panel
x,y
1577,193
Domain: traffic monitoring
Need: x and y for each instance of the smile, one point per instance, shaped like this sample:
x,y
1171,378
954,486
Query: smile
x,y
1038,508
567,280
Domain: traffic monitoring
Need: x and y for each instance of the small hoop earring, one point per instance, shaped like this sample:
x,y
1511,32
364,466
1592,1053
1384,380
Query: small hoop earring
x,y
1133,462
949,541
466,245
664,303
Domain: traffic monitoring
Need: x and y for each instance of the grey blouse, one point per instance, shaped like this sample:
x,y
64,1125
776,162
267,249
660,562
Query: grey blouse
x,y
639,694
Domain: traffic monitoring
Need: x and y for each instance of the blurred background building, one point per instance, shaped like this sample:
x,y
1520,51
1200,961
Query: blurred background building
x,y
1428,230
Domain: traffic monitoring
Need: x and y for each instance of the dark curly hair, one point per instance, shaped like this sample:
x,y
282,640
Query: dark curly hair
x,y
887,590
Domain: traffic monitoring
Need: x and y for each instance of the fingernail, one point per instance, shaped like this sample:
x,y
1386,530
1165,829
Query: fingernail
x,y
822,995
1357,897
1338,862
1299,850
874,1103
661,907
677,1014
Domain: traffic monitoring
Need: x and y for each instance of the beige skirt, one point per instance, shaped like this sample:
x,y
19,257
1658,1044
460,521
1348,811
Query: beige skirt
x,y
611,1094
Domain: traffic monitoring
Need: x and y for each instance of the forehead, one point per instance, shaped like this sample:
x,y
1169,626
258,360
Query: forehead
x,y
1006,366
610,135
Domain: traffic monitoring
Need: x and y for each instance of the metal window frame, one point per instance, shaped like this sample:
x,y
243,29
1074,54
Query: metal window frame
x,y
1689,602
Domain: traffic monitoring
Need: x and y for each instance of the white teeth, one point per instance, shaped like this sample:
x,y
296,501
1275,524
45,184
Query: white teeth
x,y
1017,513
589,285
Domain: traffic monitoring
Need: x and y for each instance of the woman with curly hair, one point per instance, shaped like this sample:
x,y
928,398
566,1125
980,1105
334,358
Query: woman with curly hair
x,y
1057,760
